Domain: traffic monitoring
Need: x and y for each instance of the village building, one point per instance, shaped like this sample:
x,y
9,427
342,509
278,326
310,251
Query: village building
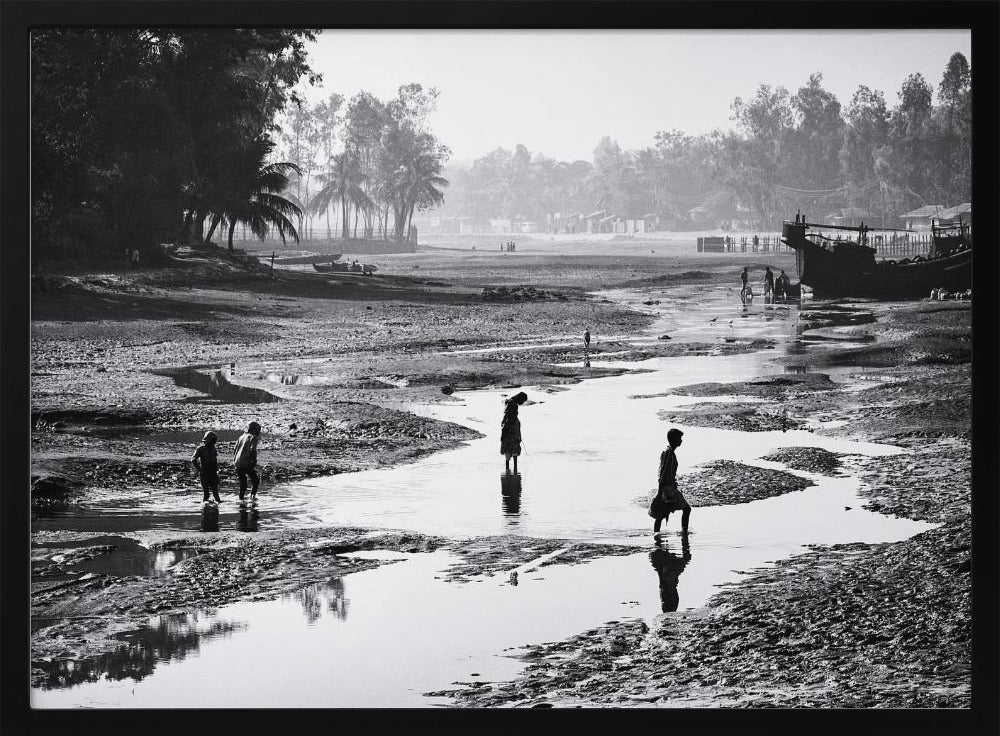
x,y
961,212
849,216
920,218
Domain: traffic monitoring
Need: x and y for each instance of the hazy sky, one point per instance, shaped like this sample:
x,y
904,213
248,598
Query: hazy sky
x,y
559,92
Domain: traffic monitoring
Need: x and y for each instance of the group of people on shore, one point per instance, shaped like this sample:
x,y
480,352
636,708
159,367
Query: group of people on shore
x,y
773,288
206,462
667,498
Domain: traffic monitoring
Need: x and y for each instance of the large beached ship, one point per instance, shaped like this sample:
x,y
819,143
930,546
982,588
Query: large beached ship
x,y
846,266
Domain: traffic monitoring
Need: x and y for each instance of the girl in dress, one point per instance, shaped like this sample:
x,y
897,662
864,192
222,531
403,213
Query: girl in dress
x,y
510,429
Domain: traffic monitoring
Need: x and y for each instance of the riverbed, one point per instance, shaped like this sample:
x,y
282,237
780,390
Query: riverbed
x,y
588,467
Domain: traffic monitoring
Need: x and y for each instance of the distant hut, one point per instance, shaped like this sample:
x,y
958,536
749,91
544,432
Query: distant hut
x,y
593,219
849,217
961,212
920,218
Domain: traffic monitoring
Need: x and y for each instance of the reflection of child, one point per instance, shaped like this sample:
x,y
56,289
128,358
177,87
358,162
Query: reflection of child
x,y
669,567
206,461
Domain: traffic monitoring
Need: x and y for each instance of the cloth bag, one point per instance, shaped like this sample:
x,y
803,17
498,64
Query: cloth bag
x,y
657,507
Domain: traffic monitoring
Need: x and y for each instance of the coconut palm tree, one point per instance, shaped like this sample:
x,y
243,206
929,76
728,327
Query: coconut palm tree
x,y
416,185
253,192
344,183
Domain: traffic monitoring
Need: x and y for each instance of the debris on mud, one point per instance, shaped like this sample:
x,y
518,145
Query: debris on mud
x,y
519,294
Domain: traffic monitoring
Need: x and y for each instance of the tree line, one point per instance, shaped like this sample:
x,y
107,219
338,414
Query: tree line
x,y
149,136
786,152
142,136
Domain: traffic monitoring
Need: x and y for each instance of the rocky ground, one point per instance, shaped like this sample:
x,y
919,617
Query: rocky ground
x,y
335,359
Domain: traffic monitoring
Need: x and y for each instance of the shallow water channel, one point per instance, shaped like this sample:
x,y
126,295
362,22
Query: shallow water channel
x,y
386,636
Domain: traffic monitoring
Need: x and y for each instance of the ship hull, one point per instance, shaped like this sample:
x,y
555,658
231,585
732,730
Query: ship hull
x,y
828,273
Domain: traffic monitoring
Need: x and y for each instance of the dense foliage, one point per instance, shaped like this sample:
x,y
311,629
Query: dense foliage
x,y
787,152
141,136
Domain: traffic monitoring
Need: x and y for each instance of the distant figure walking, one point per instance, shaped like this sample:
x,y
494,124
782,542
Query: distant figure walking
x,y
668,497
135,258
245,460
768,283
206,462
586,338
510,429
744,277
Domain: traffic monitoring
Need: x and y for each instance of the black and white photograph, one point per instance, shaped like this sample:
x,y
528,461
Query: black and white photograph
x,y
461,368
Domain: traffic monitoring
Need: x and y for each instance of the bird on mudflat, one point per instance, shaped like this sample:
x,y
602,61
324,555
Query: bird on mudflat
x,y
713,319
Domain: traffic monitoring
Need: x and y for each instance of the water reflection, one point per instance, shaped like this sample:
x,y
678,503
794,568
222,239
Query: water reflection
x,y
210,518
130,558
247,520
329,596
669,566
165,638
510,493
217,386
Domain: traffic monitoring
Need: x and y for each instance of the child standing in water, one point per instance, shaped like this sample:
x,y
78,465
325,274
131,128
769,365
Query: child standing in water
x,y
510,429
206,462
245,460
668,498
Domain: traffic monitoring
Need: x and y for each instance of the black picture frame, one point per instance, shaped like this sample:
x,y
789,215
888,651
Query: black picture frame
x,y
18,17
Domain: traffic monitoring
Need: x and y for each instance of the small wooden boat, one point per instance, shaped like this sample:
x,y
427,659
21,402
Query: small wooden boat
x,y
330,267
848,268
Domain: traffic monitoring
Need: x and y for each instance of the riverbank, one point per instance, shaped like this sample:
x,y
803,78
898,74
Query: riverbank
x,y
340,357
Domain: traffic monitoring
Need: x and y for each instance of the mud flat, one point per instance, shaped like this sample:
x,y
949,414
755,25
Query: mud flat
x,y
130,369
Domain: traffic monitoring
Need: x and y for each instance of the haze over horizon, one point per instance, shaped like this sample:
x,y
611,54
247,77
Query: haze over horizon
x,y
560,92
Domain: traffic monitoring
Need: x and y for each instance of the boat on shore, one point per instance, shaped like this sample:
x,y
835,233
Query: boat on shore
x,y
847,267
329,267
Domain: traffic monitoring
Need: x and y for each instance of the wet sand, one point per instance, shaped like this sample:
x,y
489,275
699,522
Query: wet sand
x,y
342,358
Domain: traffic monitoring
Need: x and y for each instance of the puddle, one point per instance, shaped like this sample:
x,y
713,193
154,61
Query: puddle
x,y
181,512
166,638
217,386
127,558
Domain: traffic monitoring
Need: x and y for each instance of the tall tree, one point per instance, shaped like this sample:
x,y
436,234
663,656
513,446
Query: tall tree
x,y
756,153
866,133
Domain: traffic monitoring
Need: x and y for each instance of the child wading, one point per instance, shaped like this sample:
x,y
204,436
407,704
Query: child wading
x,y
206,461
668,498
245,460
510,429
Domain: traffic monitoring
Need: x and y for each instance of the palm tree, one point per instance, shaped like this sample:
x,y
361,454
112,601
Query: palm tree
x,y
416,185
343,183
253,192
